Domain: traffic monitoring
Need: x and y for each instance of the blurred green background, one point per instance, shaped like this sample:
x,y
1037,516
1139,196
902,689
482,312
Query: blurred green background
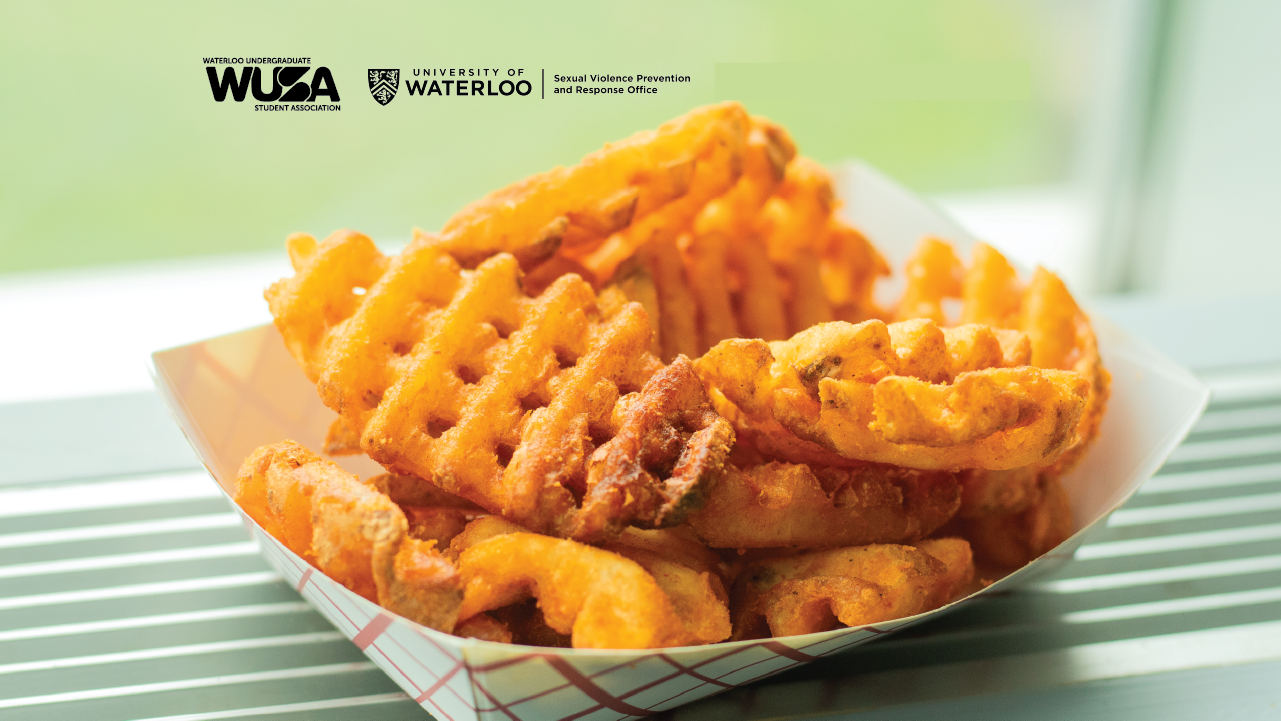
x,y
113,149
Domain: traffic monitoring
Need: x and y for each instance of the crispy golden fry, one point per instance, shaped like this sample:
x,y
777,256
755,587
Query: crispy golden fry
x,y
822,603
414,491
958,557
1062,338
933,273
633,282
760,301
616,187
1038,325
600,598
986,493
1059,335
706,259
709,177
481,529
991,293
849,268
1013,540
766,156
678,333
699,598
686,571
780,504
350,531
275,485
799,211
654,239
820,590
667,431
844,389
714,251
809,304
483,391
417,582
793,224
432,523
675,544
352,524
762,250
979,404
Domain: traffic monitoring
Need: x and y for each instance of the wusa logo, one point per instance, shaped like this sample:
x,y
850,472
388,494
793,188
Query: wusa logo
x,y
383,85
288,84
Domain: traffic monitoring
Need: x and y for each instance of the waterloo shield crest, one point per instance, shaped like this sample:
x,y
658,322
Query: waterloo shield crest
x,y
383,85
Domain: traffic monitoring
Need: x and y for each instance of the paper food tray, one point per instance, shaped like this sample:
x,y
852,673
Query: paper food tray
x,y
237,392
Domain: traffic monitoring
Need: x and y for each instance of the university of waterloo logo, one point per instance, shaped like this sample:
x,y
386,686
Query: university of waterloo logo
x,y
383,85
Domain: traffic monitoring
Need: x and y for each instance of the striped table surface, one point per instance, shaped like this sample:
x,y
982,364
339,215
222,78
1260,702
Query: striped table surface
x,y
103,615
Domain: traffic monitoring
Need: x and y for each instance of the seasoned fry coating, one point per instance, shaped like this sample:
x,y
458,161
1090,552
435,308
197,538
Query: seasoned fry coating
x,y
1015,539
820,590
790,505
350,531
418,583
1039,324
352,523
275,485
713,251
432,523
1009,515
483,391
675,544
611,189
958,557
933,273
601,599
699,598
811,605
668,430
1062,338
686,571
414,491
998,492
846,390
991,293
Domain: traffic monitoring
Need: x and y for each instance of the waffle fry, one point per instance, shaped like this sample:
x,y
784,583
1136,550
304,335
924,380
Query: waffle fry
x,y
841,392
601,599
349,530
796,506
612,189
1012,516
753,248
1058,331
1010,540
667,430
821,590
459,377
933,273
